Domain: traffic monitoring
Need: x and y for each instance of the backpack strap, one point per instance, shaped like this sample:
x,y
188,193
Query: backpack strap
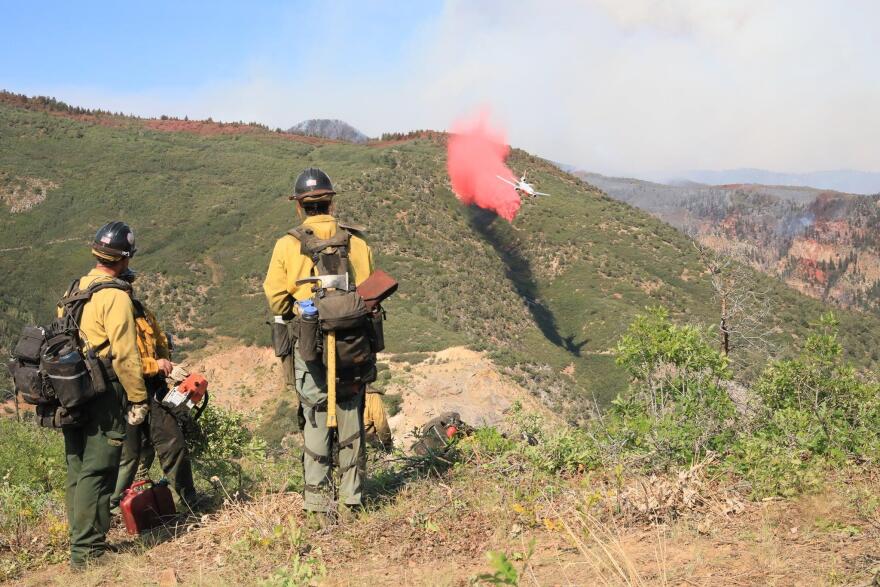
x,y
72,288
75,300
356,229
311,244
139,311
313,247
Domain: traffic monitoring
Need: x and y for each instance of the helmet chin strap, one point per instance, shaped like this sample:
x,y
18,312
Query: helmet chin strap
x,y
114,270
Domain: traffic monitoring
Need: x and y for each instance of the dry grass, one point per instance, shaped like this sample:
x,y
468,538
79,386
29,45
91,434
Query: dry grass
x,y
600,546
437,530
257,521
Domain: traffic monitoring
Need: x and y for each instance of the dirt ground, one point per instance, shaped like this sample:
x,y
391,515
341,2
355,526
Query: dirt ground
x,y
244,378
456,379
440,531
815,540
453,380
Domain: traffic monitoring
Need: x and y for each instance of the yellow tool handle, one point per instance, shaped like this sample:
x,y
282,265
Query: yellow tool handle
x,y
331,379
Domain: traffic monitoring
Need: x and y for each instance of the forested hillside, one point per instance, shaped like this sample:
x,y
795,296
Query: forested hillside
x,y
548,295
820,242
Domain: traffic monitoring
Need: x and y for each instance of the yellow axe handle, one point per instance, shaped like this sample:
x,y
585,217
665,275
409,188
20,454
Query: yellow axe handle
x,y
331,379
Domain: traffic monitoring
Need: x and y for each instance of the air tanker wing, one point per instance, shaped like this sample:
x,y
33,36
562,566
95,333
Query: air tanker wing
x,y
506,181
541,194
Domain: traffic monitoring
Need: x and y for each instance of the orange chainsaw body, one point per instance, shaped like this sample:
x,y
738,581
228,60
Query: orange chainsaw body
x,y
190,393
195,386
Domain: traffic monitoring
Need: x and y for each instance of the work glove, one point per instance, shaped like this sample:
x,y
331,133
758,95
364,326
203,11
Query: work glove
x,y
137,413
178,374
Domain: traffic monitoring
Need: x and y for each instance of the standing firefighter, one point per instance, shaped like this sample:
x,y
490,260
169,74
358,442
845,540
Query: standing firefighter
x,y
322,327
108,341
160,430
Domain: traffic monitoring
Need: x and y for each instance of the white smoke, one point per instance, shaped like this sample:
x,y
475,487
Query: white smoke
x,y
616,86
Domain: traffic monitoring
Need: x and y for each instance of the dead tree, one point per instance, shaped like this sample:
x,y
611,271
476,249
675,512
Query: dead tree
x,y
745,313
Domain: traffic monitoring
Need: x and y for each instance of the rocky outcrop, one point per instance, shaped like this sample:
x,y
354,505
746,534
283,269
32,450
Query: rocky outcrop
x,y
337,130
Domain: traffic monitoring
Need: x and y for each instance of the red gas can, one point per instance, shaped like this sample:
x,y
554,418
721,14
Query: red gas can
x,y
146,505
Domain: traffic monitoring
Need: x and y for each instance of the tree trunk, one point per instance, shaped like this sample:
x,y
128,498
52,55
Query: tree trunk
x,y
725,332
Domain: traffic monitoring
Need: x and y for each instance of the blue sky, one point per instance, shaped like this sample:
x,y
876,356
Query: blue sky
x,y
637,87
136,46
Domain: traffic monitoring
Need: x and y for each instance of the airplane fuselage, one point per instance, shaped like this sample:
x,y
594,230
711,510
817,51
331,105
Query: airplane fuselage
x,y
522,187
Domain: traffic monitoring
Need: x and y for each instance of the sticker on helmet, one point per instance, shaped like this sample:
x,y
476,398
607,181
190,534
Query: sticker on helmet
x,y
311,182
106,239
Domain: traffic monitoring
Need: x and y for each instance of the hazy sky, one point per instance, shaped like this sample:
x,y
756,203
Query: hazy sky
x,y
615,86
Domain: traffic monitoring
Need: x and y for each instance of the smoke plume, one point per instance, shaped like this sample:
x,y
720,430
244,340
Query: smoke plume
x,y
475,159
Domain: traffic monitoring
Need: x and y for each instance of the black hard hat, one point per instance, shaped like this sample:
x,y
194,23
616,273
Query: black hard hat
x,y
113,241
313,185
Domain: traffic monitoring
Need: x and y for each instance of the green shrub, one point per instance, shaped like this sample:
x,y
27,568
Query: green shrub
x,y
383,377
568,450
653,343
273,429
505,573
818,379
676,409
816,411
409,358
32,457
783,456
489,440
32,481
221,442
21,509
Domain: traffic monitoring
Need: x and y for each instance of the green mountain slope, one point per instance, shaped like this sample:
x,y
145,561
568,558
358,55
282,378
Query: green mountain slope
x,y
548,295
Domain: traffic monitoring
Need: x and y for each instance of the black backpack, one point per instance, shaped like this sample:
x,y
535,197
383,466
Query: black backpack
x,y
438,435
343,311
50,369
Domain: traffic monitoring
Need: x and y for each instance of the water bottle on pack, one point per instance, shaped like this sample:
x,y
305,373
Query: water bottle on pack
x,y
309,340
308,310
70,358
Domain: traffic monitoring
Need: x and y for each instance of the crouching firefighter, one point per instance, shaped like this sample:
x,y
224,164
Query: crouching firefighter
x,y
376,427
326,338
160,431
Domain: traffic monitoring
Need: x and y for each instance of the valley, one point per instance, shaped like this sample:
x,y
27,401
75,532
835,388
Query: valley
x,y
822,243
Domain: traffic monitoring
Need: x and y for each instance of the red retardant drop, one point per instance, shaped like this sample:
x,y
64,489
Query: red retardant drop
x,y
475,158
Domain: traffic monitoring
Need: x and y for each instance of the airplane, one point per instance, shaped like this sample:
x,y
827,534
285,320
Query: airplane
x,y
523,187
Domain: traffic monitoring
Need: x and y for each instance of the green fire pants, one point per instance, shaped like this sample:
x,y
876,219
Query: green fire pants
x,y
160,432
92,453
288,369
319,493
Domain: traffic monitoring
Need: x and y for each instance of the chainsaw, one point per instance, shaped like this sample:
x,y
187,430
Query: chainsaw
x,y
192,393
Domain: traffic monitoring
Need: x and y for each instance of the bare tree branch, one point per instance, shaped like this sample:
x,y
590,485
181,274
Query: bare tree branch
x,y
745,312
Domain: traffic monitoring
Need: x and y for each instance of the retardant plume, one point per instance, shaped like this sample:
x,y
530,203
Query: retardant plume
x,y
475,158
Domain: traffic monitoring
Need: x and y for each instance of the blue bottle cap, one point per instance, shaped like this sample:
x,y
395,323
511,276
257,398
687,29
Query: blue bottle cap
x,y
307,307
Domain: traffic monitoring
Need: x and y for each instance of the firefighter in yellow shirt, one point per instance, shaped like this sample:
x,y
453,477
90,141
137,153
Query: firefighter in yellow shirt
x,y
92,448
376,425
160,432
293,259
